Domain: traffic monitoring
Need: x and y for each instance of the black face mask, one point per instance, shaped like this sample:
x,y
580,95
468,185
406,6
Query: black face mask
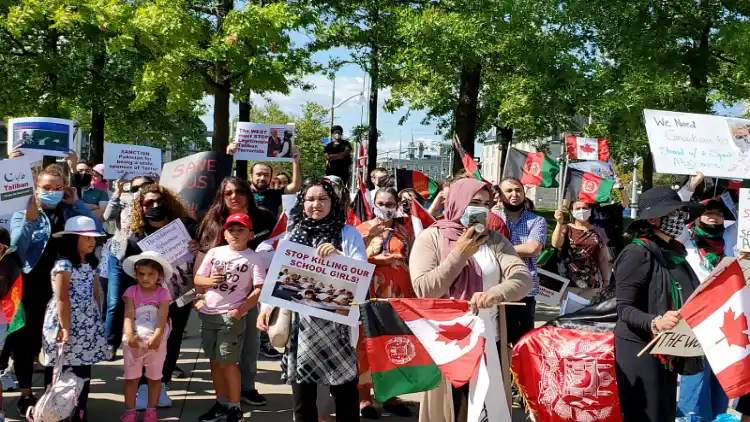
x,y
158,213
85,179
714,229
513,208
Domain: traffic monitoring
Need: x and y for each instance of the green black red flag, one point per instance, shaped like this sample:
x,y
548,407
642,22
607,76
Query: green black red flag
x,y
418,181
531,168
470,165
359,212
588,187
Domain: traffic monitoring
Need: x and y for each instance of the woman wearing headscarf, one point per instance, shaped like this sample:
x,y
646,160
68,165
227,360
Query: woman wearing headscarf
x,y
320,351
388,241
455,258
652,281
707,240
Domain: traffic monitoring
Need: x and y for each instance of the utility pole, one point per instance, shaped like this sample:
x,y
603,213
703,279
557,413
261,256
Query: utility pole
x,y
333,106
244,116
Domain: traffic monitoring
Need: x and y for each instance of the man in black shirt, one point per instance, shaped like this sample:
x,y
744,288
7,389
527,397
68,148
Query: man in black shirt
x,y
338,154
261,175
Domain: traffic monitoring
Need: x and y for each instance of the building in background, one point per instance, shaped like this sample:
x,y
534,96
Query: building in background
x,y
429,157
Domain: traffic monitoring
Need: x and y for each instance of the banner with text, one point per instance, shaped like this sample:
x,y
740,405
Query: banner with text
x,y
197,177
551,287
679,341
300,280
261,142
133,160
16,185
743,219
171,241
45,135
684,143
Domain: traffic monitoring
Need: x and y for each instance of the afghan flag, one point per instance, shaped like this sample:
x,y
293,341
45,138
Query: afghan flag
x,y
532,168
588,187
359,212
425,186
420,218
580,148
470,165
398,361
11,291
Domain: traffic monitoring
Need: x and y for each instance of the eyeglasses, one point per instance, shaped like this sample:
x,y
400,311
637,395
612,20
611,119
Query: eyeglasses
x,y
150,203
679,214
53,187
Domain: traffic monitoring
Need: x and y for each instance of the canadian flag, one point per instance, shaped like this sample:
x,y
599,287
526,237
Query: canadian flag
x,y
717,312
587,148
450,333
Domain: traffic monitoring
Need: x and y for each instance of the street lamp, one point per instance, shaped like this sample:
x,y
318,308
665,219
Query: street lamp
x,y
334,107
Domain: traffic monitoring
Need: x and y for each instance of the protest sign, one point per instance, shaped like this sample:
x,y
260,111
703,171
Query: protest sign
x,y
171,241
684,143
573,303
261,142
16,184
41,134
551,287
729,202
300,280
743,219
135,160
679,341
5,221
197,177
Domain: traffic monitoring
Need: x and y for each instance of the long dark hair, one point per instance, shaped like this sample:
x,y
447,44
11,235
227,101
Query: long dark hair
x,y
638,229
68,249
210,230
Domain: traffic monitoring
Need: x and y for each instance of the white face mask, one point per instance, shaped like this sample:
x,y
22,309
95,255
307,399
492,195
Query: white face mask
x,y
581,214
384,214
474,215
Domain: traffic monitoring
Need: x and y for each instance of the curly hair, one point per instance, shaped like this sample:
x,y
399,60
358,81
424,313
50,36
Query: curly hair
x,y
175,209
210,230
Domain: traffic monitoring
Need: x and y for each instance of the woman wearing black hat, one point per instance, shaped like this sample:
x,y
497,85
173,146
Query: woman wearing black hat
x,y
652,281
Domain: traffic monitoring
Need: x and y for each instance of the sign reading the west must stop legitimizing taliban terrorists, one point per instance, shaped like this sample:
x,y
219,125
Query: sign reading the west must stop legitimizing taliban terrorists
x,y
262,142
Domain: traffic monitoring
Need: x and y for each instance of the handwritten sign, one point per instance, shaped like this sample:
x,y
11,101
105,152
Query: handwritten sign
x,y
551,287
683,143
171,241
135,160
260,142
743,219
300,280
680,341
196,178
16,184
46,135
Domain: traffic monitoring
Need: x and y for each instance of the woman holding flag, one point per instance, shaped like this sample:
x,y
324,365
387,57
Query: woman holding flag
x,y
387,241
456,258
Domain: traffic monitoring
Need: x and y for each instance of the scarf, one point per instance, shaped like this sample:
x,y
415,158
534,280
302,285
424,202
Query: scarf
x,y
310,232
469,280
710,245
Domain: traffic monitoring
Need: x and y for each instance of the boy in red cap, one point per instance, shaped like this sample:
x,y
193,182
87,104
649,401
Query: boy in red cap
x,y
232,276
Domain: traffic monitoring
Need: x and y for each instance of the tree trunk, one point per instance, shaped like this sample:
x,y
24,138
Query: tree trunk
x,y
244,116
467,110
504,136
96,140
372,130
648,172
220,139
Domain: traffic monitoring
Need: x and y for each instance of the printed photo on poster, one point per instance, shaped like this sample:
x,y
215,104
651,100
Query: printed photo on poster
x,y
16,184
551,287
50,136
262,142
133,160
299,280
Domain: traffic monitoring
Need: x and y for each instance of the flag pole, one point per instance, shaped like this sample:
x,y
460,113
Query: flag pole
x,y
564,180
505,164
650,344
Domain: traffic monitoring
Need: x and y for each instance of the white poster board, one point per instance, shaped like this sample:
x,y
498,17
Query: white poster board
x,y
684,143
743,220
135,160
573,303
16,184
551,287
300,280
45,135
679,341
261,142
171,241
5,221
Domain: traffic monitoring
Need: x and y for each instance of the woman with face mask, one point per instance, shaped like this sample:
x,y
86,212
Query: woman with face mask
x,y
652,281
53,203
584,249
459,257
387,241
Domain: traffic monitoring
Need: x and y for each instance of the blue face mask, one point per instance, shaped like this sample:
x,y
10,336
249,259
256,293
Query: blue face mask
x,y
474,215
50,198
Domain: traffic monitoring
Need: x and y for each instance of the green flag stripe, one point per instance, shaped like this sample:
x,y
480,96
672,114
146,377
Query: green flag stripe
x,y
605,188
550,169
405,380
18,321
434,189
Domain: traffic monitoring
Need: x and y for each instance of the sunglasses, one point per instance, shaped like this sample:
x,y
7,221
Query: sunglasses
x,y
681,214
230,193
386,204
150,203
56,188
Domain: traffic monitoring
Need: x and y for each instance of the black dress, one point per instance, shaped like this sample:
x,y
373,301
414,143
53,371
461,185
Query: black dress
x,y
647,389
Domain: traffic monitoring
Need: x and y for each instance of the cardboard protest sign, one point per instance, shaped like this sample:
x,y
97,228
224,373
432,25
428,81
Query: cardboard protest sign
x,y
5,221
197,177
42,134
171,241
683,143
135,160
261,142
573,303
551,287
679,341
16,184
743,220
300,280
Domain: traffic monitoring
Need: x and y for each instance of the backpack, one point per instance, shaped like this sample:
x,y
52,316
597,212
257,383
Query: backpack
x,y
60,399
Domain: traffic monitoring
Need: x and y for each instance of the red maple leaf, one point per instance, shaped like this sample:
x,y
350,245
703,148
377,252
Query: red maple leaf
x,y
586,148
461,334
734,329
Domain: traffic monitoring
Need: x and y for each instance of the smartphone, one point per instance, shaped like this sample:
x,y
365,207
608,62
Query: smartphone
x,y
187,298
219,269
478,218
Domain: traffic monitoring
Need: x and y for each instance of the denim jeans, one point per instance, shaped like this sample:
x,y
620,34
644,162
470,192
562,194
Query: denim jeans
x,y
702,394
118,283
250,349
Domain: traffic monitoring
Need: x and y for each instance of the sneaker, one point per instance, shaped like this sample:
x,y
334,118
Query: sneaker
x,y
164,400
150,416
253,398
269,352
9,384
235,415
217,413
178,373
24,403
130,416
141,399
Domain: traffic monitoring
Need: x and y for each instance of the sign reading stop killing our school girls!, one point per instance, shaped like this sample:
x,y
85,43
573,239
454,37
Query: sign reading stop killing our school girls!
x,y
301,281
16,184
135,160
261,142
679,341
46,135
684,143
171,241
